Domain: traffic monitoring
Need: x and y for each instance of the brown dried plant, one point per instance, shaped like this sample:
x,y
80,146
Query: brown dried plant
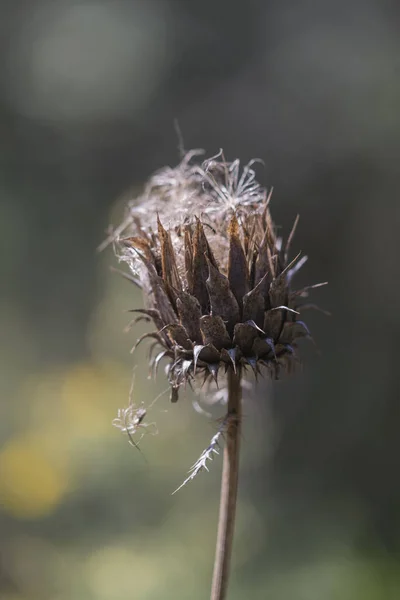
x,y
217,283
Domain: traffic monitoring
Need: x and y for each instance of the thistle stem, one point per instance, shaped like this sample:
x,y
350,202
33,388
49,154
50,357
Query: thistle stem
x,y
229,486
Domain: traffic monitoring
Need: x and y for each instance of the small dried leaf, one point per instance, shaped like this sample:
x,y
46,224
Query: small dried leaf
x,y
189,257
178,336
222,301
263,347
229,356
213,370
196,353
200,267
252,361
168,263
283,349
269,226
244,336
292,331
161,299
278,292
214,332
207,354
238,275
141,244
273,323
262,268
186,366
189,312
254,303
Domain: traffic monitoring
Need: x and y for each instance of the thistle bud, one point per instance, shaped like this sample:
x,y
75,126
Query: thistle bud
x,y
216,278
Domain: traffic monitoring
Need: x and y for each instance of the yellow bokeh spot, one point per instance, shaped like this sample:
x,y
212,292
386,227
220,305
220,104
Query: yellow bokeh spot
x,y
90,395
31,485
118,571
79,401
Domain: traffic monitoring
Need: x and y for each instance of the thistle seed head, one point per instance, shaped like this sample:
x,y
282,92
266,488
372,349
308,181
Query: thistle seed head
x,y
216,278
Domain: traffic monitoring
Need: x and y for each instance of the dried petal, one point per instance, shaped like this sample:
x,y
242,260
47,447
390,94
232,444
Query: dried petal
x,y
213,369
161,299
206,354
214,332
200,267
179,336
278,292
230,356
189,257
263,347
292,331
244,336
273,323
168,263
263,265
238,275
222,301
254,303
186,367
141,244
189,312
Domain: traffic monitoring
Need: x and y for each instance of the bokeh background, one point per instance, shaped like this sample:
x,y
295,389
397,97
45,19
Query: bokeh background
x,y
89,92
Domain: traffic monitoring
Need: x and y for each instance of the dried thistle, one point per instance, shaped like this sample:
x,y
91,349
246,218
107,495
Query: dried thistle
x,y
217,283
217,279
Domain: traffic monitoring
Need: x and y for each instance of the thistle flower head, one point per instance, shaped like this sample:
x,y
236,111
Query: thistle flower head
x,y
216,278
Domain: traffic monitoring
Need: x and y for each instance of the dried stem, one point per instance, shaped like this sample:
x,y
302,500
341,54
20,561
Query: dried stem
x,y
229,486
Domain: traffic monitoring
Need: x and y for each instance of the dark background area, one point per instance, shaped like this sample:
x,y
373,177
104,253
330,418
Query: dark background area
x,y
89,92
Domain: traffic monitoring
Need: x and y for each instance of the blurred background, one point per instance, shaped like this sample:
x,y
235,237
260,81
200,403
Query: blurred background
x,y
89,92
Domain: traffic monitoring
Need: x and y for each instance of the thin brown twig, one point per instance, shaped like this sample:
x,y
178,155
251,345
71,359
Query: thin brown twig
x,y
229,486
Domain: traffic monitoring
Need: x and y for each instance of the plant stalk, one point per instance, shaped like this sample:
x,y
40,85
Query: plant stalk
x,y
229,487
